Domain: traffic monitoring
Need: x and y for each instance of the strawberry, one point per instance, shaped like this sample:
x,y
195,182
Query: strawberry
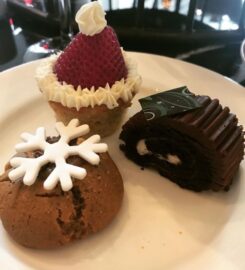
x,y
92,60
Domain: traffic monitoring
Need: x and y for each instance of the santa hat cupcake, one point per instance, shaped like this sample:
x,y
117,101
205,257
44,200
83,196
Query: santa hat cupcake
x,y
92,79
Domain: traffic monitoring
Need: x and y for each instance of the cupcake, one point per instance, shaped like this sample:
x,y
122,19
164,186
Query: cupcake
x,y
93,79
198,149
56,190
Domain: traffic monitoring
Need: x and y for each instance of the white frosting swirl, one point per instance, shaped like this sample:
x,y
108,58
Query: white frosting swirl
x,y
91,19
70,97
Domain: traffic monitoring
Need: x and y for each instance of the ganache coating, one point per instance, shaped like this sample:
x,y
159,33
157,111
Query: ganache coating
x,y
208,141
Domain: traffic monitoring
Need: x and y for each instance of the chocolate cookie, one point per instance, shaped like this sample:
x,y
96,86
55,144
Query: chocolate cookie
x,y
199,149
37,218
60,189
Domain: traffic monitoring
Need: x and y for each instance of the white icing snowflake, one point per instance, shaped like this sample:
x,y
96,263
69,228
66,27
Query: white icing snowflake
x,y
28,168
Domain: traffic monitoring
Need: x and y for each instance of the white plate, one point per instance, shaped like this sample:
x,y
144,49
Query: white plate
x,y
160,225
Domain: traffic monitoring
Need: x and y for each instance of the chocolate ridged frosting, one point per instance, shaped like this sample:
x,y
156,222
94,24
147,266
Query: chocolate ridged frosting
x,y
198,150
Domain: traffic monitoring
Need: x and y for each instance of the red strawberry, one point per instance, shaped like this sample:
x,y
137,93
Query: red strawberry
x,y
92,60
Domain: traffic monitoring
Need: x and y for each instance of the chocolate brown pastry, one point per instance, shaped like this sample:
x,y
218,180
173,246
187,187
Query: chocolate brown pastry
x,y
198,150
37,218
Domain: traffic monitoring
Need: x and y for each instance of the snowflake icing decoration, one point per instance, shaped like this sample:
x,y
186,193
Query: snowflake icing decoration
x,y
57,153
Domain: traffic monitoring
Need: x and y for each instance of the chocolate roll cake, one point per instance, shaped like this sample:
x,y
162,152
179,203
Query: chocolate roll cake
x,y
42,216
199,150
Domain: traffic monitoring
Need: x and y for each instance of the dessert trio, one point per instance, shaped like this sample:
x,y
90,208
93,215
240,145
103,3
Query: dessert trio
x,y
59,189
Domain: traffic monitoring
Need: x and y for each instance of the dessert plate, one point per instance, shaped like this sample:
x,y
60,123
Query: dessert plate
x,y
160,225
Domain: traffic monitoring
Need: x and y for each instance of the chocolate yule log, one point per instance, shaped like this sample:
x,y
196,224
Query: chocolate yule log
x,y
199,150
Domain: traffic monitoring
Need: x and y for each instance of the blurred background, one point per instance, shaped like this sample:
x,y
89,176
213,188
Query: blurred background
x,y
209,33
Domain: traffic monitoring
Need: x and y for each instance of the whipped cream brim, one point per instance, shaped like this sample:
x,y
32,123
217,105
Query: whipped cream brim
x,y
68,96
